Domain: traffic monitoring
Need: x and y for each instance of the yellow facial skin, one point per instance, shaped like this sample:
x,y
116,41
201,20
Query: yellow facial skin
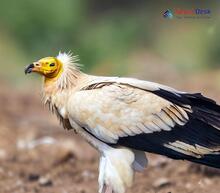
x,y
49,67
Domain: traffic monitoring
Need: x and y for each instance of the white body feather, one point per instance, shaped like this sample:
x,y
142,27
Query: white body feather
x,y
104,109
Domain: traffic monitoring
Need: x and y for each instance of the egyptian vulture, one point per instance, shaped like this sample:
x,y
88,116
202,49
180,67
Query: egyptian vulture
x,y
125,117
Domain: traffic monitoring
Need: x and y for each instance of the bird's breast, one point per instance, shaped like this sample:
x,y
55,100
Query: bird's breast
x,y
59,100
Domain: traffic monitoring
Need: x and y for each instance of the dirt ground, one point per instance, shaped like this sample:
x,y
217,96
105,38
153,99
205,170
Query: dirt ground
x,y
38,156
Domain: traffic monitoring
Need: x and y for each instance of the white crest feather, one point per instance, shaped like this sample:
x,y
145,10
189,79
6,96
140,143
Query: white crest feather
x,y
71,70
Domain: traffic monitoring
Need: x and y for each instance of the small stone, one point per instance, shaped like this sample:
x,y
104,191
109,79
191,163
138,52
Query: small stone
x,y
188,186
207,181
44,181
159,162
161,182
3,154
86,174
33,177
19,183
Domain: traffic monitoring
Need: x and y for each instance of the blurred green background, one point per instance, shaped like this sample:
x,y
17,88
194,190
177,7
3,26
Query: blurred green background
x,y
121,37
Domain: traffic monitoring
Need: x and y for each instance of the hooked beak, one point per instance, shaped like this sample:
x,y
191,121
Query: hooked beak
x,y
28,69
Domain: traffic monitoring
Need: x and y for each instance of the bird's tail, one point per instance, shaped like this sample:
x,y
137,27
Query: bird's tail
x,y
207,113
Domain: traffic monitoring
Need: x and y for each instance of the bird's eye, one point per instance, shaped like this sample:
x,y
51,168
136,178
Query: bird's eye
x,y
52,64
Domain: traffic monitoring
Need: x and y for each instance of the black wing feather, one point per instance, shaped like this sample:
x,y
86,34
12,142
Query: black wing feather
x,y
203,129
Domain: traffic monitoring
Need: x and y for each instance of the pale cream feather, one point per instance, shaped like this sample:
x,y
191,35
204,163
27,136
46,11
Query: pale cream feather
x,y
117,110
109,108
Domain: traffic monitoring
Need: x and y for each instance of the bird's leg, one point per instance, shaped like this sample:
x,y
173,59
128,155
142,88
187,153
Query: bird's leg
x,y
107,189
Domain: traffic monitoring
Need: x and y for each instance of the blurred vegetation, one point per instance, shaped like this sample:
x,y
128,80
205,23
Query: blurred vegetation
x,y
106,33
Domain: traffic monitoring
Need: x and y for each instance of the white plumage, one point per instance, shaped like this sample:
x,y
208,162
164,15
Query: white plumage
x,y
124,117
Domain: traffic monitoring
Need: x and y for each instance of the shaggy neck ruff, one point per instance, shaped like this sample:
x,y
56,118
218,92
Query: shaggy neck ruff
x,y
69,72
66,79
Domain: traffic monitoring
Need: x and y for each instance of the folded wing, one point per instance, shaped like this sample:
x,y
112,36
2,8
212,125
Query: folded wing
x,y
150,117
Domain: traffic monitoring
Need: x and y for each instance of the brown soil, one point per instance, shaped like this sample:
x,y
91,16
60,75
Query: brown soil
x,y
38,156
